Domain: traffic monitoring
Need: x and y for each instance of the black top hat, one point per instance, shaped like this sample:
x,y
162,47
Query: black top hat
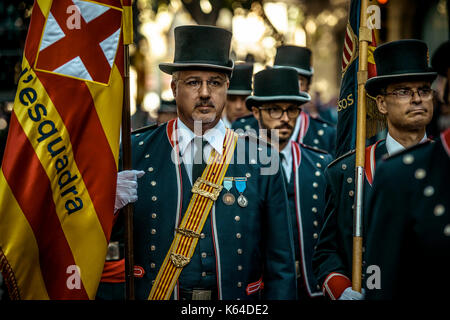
x,y
241,81
397,61
167,106
296,57
280,84
200,47
440,60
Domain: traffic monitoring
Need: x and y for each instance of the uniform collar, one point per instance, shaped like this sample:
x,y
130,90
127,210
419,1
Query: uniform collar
x,y
393,146
214,136
226,122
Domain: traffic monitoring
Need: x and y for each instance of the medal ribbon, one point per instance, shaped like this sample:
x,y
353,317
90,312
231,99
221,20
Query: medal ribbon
x,y
186,237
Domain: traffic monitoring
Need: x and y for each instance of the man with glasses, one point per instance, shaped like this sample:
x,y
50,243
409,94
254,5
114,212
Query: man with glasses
x,y
276,104
403,93
207,225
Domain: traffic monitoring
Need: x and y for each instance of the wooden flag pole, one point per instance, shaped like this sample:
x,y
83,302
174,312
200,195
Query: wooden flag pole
x,y
365,37
126,163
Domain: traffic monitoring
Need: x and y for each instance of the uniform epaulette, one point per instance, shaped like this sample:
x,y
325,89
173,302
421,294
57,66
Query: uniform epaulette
x,y
345,155
407,150
313,148
144,129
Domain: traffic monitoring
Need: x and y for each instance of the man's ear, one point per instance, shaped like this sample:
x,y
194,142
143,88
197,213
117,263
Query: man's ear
x,y
381,104
173,86
255,112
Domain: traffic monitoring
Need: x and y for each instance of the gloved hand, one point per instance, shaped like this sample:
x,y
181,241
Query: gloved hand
x,y
350,294
126,190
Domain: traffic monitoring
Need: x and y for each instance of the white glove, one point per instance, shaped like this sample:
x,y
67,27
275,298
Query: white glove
x,y
350,294
126,191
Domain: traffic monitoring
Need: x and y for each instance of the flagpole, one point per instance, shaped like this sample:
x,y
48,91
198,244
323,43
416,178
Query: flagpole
x,y
365,37
126,163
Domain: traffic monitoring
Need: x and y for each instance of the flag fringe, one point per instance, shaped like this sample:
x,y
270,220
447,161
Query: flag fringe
x,y
9,277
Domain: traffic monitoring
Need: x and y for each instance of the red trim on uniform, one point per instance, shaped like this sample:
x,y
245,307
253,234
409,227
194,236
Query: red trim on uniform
x,y
304,126
445,138
138,272
370,161
114,271
254,286
335,284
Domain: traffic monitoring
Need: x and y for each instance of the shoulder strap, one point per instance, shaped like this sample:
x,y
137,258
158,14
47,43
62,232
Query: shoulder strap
x,y
204,193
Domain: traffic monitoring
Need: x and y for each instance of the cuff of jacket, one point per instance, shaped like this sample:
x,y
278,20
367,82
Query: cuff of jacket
x,y
335,284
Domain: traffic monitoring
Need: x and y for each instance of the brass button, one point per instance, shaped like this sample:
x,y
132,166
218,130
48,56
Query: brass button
x,y
349,180
202,236
152,265
315,235
147,155
315,196
344,166
204,254
141,143
154,215
237,218
248,175
447,230
315,185
317,173
152,248
316,141
420,174
320,132
203,274
238,235
239,251
239,267
154,198
153,183
428,191
408,159
318,165
239,284
314,209
351,193
315,223
153,231
150,169
439,210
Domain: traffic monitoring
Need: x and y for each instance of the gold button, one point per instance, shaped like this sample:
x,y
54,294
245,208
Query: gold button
x,y
239,251
315,223
315,196
203,274
153,215
315,235
147,155
447,230
344,166
153,231
314,209
239,267
248,175
202,235
152,248
349,180
152,265
141,143
320,132
318,165
408,159
315,184
150,169
439,210
351,193
238,235
153,183
322,157
239,284
204,254
137,134
420,174
428,191
237,218
154,198
316,141
317,173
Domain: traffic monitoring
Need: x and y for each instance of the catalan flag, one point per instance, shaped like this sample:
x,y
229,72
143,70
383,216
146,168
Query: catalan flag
x,y
348,96
58,176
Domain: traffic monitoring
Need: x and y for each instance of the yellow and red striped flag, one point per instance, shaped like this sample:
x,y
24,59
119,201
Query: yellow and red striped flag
x,y
58,176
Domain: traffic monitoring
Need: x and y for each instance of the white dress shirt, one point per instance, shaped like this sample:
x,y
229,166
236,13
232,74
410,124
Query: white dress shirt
x,y
287,161
214,137
393,146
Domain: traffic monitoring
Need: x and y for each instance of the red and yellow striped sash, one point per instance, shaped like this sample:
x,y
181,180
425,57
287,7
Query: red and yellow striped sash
x,y
205,191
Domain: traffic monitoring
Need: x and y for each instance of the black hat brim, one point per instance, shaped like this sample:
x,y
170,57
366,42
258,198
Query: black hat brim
x,y
376,84
172,67
302,72
251,101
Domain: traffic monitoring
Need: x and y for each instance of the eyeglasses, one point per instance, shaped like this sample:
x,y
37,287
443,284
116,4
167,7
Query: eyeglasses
x,y
404,94
277,112
196,84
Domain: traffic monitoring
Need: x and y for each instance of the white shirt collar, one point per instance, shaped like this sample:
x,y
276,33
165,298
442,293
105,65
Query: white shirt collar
x,y
214,136
393,146
226,122
287,162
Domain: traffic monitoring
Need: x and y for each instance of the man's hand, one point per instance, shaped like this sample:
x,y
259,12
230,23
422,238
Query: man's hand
x,y
350,294
126,191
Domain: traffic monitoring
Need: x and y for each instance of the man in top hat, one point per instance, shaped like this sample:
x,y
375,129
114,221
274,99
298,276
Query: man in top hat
x,y
240,88
211,220
276,104
167,111
403,94
409,240
309,129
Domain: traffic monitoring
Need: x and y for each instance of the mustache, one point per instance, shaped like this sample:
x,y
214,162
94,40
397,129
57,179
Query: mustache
x,y
205,104
284,126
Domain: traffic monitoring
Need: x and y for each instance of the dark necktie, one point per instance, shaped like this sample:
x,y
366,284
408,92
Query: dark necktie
x,y
199,163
